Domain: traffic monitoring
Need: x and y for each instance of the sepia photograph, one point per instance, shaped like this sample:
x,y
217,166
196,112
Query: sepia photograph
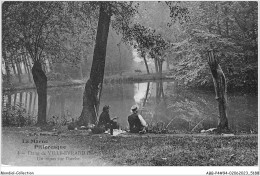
x,y
130,83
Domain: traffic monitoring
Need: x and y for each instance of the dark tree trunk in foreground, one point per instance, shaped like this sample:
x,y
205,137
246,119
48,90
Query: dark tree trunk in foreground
x,y
93,86
40,81
220,90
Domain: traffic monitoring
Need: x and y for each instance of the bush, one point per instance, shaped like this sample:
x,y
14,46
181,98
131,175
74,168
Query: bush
x,y
5,83
16,116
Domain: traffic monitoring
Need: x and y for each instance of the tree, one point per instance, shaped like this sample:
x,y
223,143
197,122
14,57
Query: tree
x,y
158,52
8,42
94,83
220,85
231,26
93,88
220,26
39,29
141,38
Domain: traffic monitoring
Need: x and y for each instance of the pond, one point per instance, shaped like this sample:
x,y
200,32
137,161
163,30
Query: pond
x,y
164,102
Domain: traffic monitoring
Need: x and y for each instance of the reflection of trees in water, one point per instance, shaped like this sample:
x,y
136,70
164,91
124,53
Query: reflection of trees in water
x,y
8,104
183,109
199,108
154,105
15,95
161,105
161,102
68,102
190,108
242,113
65,103
30,101
120,98
146,94
20,98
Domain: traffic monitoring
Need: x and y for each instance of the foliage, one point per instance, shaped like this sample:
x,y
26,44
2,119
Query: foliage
x,y
16,116
230,29
5,82
140,37
57,31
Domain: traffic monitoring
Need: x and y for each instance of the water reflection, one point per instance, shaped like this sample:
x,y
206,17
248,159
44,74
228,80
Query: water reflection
x,y
158,101
140,91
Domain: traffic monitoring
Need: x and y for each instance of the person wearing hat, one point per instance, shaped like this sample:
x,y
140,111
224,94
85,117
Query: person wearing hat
x,y
136,122
104,118
105,121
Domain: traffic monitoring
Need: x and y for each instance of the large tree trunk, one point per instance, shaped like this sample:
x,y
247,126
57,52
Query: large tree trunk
x,y
220,90
40,81
93,86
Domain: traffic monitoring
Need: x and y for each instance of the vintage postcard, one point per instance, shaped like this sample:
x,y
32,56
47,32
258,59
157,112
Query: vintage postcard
x,y
133,84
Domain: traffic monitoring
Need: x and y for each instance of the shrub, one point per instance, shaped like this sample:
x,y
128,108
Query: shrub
x,y
16,116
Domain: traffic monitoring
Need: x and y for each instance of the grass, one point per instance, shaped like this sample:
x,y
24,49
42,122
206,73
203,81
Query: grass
x,y
175,150
140,150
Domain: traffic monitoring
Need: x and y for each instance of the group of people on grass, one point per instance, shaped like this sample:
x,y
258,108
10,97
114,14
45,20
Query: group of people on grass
x,y
137,124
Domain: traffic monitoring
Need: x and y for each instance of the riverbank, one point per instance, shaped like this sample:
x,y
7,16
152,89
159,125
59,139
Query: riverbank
x,y
129,78
107,80
133,149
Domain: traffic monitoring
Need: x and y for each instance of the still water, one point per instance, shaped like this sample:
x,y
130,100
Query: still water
x,y
183,110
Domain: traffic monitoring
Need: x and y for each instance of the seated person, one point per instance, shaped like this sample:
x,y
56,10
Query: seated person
x,y
136,122
104,118
105,121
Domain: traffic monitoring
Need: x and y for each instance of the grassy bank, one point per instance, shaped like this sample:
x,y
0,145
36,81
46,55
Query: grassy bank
x,y
141,150
182,150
